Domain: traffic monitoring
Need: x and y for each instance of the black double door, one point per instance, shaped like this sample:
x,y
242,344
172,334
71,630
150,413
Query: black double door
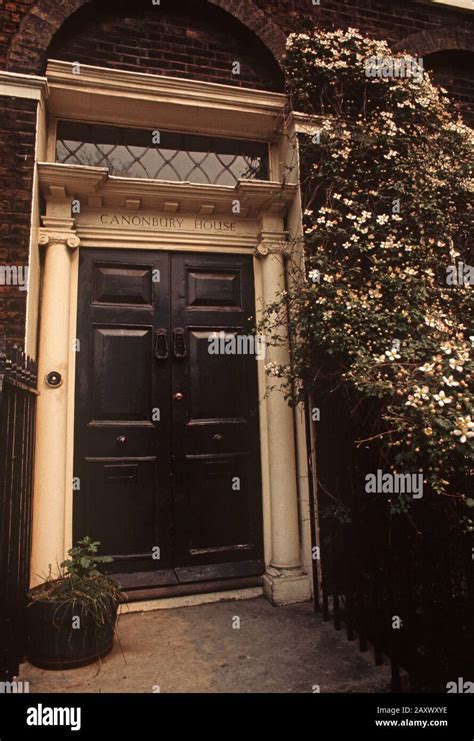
x,y
167,461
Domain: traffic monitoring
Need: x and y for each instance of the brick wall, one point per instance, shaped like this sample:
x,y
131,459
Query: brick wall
x,y
391,19
192,40
17,145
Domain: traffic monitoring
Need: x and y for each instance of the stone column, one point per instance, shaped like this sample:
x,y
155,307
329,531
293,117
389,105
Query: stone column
x,y
284,581
51,425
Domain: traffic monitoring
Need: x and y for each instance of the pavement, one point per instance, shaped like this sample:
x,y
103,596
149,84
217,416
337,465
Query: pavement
x,y
243,646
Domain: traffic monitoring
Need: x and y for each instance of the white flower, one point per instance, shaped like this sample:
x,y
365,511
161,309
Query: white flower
x,y
442,399
426,367
456,364
420,394
465,429
382,219
450,381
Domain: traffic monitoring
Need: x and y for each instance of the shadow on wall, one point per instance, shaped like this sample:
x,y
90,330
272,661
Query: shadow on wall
x,y
454,70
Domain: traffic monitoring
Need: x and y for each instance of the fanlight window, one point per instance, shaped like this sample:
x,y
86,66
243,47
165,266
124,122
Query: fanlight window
x,y
161,155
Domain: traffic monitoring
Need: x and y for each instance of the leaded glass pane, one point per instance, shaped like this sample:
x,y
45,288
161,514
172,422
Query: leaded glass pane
x,y
177,157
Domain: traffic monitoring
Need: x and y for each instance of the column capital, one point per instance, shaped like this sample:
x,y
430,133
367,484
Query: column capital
x,y
70,239
272,243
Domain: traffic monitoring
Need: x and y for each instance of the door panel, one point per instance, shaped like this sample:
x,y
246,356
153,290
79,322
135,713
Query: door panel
x,y
206,288
126,499
115,284
124,395
156,473
123,448
216,459
215,498
216,391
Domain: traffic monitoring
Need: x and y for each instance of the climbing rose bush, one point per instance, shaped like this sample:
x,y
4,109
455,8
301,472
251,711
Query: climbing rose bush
x,y
388,210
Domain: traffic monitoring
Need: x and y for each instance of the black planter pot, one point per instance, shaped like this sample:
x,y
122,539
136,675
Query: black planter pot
x,y
53,642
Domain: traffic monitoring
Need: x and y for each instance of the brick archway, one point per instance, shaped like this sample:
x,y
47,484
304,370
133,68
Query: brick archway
x,y
37,29
429,42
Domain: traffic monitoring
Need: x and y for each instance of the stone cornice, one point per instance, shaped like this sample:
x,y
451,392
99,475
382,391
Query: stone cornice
x,y
159,86
137,99
23,86
73,179
98,189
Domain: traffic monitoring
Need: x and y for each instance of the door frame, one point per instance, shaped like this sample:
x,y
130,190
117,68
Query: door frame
x,y
271,213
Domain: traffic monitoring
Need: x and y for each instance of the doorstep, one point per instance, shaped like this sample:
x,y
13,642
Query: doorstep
x,y
187,591
150,602
188,576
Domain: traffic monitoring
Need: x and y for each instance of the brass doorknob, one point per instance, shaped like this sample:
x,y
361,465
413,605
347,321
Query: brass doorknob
x,y
178,397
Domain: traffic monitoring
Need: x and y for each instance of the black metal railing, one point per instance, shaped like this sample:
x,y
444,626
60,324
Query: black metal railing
x,y
18,381
400,583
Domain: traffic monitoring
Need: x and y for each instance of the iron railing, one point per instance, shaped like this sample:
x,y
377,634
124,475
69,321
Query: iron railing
x,y
18,380
399,583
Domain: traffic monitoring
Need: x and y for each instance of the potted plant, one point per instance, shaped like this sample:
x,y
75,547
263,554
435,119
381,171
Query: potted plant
x,y
71,620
